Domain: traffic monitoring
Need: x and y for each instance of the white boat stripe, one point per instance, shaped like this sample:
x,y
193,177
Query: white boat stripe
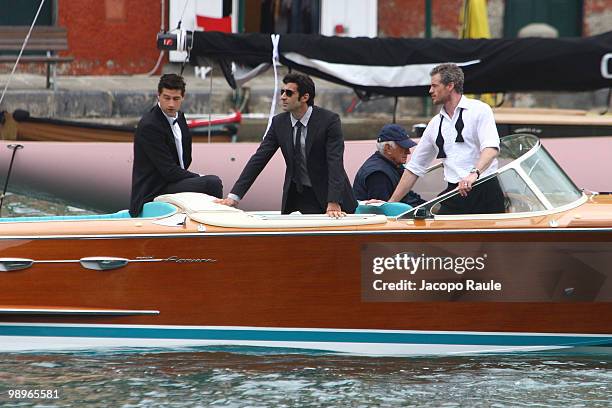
x,y
63,344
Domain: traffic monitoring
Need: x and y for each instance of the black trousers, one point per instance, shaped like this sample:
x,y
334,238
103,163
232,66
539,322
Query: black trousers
x,y
305,202
209,184
485,198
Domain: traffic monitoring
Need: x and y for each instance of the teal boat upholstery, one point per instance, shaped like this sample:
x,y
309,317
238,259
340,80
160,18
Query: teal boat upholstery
x,y
388,209
150,210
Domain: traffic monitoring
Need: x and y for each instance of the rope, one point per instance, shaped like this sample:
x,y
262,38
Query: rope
x,y
25,42
275,40
161,29
182,38
178,27
182,42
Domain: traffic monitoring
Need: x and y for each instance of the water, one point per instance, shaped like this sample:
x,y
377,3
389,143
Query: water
x,y
247,377
241,378
18,205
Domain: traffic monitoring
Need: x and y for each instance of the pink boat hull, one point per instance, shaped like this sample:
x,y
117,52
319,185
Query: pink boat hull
x,y
98,175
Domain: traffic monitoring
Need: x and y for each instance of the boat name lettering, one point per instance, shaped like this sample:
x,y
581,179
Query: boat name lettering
x,y
410,263
189,260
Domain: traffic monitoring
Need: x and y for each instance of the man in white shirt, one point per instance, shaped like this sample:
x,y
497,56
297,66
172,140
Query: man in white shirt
x,y
465,137
162,150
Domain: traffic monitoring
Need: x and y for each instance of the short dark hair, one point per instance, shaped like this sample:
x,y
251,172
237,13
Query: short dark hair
x,y
304,84
450,73
171,81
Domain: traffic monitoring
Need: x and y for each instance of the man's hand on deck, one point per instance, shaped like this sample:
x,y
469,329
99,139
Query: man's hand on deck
x,y
226,201
334,210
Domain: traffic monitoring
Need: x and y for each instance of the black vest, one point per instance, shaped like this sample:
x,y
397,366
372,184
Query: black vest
x,y
377,162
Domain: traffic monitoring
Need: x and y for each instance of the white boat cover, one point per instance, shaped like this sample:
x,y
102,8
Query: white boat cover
x,y
202,208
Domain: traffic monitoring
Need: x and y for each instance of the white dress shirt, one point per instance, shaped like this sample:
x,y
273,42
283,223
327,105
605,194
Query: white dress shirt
x,y
178,136
479,132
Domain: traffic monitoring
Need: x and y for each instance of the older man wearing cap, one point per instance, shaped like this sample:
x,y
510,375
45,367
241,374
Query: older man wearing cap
x,y
380,173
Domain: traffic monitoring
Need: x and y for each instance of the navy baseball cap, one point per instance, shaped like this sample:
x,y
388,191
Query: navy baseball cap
x,y
395,133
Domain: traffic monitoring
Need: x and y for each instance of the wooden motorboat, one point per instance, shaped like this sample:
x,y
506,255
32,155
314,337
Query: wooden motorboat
x,y
190,272
20,126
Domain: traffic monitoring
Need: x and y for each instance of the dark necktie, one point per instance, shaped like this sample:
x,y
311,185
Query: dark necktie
x,y
174,121
459,127
297,157
440,140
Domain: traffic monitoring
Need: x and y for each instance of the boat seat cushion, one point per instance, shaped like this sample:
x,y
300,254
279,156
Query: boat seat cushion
x,y
149,210
388,209
152,210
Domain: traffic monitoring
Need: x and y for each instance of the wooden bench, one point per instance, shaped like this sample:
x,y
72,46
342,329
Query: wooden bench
x,y
44,42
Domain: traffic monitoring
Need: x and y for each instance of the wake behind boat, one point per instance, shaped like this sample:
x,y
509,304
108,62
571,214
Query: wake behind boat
x,y
403,281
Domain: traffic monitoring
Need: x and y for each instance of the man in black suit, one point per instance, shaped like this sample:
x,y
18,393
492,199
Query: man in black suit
x,y
162,150
310,139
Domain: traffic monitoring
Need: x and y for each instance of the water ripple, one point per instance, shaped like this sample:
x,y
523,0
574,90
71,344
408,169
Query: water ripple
x,y
230,379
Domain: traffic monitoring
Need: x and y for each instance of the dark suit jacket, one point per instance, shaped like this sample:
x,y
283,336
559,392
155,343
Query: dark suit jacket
x,y
324,159
156,161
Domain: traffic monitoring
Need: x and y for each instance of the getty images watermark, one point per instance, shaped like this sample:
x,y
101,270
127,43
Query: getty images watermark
x,y
411,264
426,272
486,271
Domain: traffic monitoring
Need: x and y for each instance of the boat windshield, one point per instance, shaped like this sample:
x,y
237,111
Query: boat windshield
x,y
529,177
556,186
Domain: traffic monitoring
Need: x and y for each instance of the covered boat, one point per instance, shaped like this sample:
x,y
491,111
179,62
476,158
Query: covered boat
x,y
391,280
397,67
401,66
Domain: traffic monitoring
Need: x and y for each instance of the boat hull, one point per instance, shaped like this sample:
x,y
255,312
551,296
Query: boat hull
x,y
276,289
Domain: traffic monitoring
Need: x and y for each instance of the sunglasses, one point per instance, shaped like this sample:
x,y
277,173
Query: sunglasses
x,y
288,92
